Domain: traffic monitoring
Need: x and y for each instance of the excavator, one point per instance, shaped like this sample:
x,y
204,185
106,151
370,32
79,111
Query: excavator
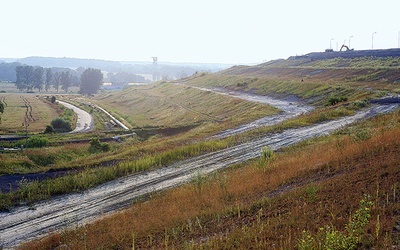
x,y
345,47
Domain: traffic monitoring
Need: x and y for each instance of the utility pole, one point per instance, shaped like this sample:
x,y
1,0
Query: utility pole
x,y
349,41
26,133
373,39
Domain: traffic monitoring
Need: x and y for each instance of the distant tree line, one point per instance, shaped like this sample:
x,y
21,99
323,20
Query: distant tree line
x,y
160,71
7,71
29,78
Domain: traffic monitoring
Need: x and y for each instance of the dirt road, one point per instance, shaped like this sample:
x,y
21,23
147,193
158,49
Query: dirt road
x,y
290,108
27,223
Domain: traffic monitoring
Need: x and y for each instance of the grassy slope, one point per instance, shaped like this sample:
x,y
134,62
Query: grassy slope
x,y
312,81
171,105
308,187
201,218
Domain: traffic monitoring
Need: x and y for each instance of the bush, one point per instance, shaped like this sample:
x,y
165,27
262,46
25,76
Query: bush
x,y
37,142
333,100
49,130
96,146
53,99
61,125
330,238
360,104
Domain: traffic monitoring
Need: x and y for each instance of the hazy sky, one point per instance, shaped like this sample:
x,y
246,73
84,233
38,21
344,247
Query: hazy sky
x,y
216,31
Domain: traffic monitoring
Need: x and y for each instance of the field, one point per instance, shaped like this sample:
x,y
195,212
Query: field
x,y
22,109
339,189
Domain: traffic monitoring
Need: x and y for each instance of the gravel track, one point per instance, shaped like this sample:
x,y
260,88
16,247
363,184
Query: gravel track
x,y
27,223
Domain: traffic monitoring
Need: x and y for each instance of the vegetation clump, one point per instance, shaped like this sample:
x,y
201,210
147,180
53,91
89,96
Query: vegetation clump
x,y
330,238
97,146
333,100
38,142
61,125
49,129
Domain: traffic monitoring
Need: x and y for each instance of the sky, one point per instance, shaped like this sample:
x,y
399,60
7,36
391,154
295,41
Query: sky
x,y
197,31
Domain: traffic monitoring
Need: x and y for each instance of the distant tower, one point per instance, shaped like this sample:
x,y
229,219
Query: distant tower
x,y
155,60
155,71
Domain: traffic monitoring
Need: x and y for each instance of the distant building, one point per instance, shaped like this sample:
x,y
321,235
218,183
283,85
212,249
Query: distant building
x,y
114,85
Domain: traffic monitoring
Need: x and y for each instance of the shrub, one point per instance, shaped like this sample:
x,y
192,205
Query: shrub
x,y
360,104
333,100
37,142
96,146
61,125
330,238
53,99
49,130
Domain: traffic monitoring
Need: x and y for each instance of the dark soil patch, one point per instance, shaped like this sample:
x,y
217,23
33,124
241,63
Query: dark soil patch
x,y
12,182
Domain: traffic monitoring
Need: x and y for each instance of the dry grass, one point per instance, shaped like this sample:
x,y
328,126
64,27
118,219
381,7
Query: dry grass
x,y
172,105
263,207
14,114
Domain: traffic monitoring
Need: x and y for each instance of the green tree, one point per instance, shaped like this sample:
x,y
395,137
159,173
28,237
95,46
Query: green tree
x,y
56,80
65,80
61,125
49,130
37,79
91,80
49,79
24,77
53,99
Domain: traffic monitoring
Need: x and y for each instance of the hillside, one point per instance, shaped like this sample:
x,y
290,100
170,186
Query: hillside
x,y
336,191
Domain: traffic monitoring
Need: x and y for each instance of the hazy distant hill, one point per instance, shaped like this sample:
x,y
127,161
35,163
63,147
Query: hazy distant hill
x,y
64,62
163,70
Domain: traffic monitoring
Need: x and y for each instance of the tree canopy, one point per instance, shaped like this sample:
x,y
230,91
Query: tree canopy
x,y
29,78
91,80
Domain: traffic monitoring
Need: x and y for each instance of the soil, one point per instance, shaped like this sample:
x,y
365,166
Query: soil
x,y
13,182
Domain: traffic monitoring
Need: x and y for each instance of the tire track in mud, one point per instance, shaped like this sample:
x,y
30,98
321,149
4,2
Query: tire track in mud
x,y
25,223
28,113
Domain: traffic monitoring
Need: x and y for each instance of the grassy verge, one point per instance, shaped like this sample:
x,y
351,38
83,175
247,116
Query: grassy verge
x,y
308,188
